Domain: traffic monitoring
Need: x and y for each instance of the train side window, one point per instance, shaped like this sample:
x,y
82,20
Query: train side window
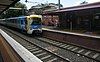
x,y
18,20
14,20
10,20
22,22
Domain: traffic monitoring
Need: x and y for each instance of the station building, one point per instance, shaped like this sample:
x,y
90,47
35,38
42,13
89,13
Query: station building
x,y
85,17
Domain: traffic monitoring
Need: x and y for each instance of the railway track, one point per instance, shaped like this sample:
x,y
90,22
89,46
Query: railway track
x,y
75,53
80,51
42,53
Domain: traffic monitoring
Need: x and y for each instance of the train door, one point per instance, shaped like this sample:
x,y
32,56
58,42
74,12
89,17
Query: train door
x,y
22,23
25,23
18,23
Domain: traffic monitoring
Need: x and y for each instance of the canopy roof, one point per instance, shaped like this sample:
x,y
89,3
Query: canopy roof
x,y
74,8
5,4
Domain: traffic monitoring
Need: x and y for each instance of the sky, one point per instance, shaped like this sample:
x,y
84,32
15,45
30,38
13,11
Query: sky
x,y
65,3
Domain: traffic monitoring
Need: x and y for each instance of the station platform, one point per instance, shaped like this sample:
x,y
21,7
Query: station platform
x,y
68,32
84,40
12,51
1,60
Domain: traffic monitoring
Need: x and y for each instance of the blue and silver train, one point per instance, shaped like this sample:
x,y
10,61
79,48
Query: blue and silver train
x,y
30,24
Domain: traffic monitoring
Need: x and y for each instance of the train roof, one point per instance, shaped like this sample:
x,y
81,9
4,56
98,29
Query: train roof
x,y
22,17
2,19
36,16
17,17
25,17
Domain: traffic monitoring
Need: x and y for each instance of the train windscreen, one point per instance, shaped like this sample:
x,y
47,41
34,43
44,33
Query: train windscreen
x,y
36,21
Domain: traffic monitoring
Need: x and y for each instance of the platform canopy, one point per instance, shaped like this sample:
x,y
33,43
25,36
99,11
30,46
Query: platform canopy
x,y
5,4
74,8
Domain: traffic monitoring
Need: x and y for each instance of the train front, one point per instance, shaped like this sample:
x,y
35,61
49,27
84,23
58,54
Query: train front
x,y
34,24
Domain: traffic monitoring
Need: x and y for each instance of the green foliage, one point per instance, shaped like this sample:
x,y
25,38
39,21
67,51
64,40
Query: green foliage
x,y
42,7
20,5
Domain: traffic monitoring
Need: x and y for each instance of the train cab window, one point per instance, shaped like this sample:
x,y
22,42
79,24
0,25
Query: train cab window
x,y
36,21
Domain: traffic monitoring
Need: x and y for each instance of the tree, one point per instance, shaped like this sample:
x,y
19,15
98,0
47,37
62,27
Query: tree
x,y
15,12
40,8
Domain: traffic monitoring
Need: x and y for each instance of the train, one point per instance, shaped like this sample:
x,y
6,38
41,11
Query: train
x,y
30,24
